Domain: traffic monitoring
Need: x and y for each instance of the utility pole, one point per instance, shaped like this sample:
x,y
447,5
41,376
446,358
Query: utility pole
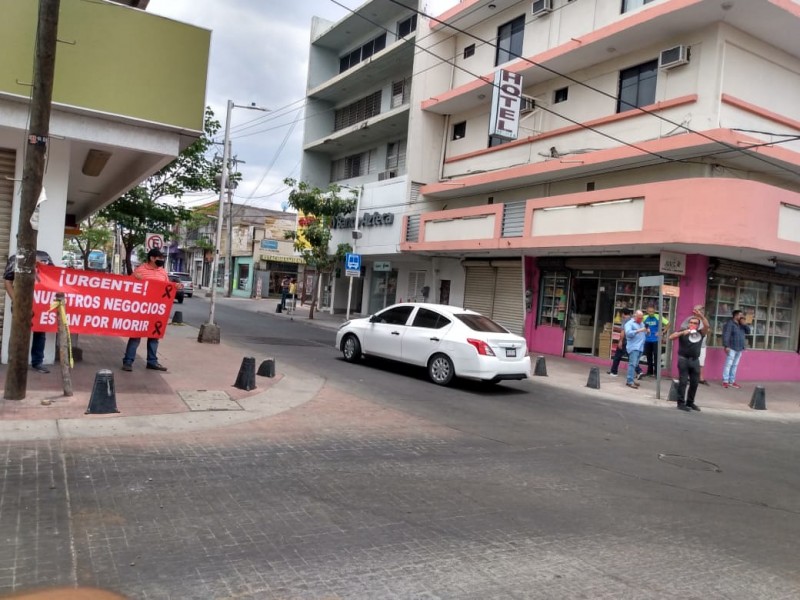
x,y
32,175
229,247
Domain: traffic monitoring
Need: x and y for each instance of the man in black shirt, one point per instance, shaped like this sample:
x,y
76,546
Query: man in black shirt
x,y
690,342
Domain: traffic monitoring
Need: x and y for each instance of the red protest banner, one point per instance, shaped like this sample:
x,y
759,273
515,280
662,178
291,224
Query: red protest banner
x,y
101,303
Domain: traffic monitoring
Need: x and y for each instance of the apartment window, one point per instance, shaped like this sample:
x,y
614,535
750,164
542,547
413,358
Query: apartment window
x,y
396,155
637,86
362,53
469,50
401,90
509,40
628,5
366,107
560,95
495,141
354,165
406,26
459,130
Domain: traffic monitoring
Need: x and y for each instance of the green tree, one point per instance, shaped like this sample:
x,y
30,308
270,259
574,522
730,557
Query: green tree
x,y
312,238
142,210
96,234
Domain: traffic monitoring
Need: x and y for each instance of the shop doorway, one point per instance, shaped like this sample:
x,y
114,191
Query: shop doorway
x,y
383,290
591,318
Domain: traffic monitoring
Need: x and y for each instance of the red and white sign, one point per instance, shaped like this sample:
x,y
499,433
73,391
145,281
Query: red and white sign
x,y
506,105
153,240
101,303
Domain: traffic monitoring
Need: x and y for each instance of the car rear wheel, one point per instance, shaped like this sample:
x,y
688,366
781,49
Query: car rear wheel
x,y
351,348
441,369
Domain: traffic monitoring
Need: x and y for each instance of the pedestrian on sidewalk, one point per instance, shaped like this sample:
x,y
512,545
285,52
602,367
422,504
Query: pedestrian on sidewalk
x,y
153,270
635,332
292,297
699,311
284,292
655,324
38,338
621,351
690,343
734,339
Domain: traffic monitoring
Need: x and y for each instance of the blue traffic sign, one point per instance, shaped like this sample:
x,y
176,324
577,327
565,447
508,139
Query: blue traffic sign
x,y
352,262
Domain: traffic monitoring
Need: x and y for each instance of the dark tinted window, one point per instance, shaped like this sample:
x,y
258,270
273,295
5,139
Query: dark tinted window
x,y
395,316
469,50
509,40
637,86
459,130
480,323
430,319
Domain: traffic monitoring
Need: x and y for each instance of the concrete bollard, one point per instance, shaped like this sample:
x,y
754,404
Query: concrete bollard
x,y
540,369
594,378
177,318
673,392
267,368
759,399
104,394
246,380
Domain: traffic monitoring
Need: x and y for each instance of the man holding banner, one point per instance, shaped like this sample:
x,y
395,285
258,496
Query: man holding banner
x,y
152,270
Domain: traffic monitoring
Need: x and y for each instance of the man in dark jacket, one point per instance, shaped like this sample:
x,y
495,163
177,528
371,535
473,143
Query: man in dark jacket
x,y
734,339
38,338
690,343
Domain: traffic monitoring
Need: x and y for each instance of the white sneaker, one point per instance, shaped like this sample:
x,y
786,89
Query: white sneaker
x,y
612,374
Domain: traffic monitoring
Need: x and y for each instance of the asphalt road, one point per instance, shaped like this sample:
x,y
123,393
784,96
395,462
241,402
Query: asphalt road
x,y
390,487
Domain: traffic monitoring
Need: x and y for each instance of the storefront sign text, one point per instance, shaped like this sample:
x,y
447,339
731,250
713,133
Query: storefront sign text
x,y
269,244
672,263
382,265
506,105
373,219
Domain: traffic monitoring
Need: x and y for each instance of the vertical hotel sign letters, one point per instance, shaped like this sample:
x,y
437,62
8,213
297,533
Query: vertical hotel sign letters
x,y
506,105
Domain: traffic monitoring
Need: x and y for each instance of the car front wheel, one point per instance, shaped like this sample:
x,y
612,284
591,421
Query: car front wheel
x,y
351,348
441,369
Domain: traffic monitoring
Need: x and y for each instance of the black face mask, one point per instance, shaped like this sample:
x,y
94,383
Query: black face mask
x,y
159,263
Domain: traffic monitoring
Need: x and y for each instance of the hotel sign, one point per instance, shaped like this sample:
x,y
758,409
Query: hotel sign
x,y
373,219
506,105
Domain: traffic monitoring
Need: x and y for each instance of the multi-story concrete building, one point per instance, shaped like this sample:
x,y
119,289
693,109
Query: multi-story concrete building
x,y
118,114
621,139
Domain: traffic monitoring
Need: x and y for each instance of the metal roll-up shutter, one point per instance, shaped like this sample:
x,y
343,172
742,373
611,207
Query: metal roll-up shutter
x,y
731,268
8,160
509,307
479,289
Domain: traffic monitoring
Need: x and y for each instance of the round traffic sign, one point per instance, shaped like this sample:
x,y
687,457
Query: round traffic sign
x,y
154,240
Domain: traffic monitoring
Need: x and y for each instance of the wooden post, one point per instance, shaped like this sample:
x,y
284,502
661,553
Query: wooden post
x,y
63,345
32,175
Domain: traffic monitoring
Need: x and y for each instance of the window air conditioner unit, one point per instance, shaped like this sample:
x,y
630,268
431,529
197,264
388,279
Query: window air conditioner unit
x,y
673,57
540,7
528,105
387,175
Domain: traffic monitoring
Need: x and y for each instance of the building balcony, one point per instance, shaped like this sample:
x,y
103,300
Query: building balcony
x,y
375,130
654,24
393,60
727,218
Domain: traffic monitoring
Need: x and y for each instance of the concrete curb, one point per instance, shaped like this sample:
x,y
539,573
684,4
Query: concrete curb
x,y
294,389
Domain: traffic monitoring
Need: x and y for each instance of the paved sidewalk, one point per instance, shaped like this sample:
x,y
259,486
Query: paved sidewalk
x,y
151,402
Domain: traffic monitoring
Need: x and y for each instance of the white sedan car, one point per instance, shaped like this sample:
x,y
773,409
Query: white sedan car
x,y
449,341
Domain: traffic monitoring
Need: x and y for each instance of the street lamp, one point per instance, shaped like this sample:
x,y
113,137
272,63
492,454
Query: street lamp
x,y
209,332
356,236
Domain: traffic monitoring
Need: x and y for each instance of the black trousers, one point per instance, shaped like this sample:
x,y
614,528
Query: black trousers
x,y
689,371
651,353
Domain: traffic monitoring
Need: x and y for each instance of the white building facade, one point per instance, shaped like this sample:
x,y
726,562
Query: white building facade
x,y
650,138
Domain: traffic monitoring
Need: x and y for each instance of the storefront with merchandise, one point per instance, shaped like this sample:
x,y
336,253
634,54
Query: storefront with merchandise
x,y
578,309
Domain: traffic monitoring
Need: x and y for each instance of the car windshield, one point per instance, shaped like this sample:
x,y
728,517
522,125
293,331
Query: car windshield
x,y
480,323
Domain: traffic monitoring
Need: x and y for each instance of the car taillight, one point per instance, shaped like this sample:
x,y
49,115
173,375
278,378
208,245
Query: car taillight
x,y
482,347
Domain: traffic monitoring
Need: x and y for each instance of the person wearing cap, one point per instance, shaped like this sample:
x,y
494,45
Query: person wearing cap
x,y
38,338
153,269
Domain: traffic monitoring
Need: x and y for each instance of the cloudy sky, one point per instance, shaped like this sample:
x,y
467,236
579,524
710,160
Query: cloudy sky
x,y
259,54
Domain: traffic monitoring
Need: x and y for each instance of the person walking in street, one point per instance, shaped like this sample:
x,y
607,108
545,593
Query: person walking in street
x,y
153,269
690,343
734,340
38,338
655,324
699,311
620,351
635,331
284,292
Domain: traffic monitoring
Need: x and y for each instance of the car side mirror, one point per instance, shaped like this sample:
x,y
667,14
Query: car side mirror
x,y
373,319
